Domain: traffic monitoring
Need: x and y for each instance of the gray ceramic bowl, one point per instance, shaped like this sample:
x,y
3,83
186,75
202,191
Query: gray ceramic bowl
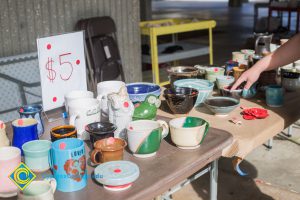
x,y
221,106
237,93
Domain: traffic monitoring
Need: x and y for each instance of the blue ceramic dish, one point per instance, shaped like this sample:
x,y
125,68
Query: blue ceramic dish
x,y
251,92
204,88
221,106
139,91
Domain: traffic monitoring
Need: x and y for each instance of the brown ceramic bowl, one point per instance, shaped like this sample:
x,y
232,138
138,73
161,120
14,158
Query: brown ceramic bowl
x,y
182,72
181,100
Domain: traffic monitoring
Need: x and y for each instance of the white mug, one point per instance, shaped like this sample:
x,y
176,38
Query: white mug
x,y
83,112
103,89
240,57
77,94
39,190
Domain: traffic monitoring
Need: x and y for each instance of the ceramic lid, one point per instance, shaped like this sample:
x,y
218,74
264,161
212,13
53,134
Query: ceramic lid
x,y
116,173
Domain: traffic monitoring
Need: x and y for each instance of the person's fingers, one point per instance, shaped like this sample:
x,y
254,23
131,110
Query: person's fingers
x,y
237,83
248,85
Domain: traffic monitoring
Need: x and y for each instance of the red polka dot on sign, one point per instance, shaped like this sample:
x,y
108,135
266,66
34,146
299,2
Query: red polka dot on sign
x,y
117,170
48,46
77,62
54,99
62,145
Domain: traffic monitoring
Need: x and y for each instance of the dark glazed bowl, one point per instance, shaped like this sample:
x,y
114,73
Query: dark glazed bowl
x,y
182,72
181,100
100,130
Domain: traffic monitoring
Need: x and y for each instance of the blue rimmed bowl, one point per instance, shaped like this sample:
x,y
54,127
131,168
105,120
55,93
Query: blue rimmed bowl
x,y
140,90
204,88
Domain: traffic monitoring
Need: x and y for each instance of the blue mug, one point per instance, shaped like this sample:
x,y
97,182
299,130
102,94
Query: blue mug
x,y
274,95
33,111
24,130
68,163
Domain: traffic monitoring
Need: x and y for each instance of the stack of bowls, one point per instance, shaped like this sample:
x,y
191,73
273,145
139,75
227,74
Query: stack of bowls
x,y
224,81
181,100
182,72
139,91
204,88
213,72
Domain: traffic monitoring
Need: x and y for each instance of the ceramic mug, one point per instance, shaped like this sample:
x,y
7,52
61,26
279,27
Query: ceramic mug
x,y
144,136
36,155
68,163
64,131
39,190
188,132
24,131
237,72
77,94
240,57
274,95
103,89
108,149
33,111
83,112
4,141
100,130
10,158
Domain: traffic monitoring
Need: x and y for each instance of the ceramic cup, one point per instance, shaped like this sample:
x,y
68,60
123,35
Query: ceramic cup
x,y
83,112
39,190
237,72
240,57
274,95
64,131
103,89
100,130
33,111
188,132
213,72
10,158
76,94
36,155
108,149
68,163
24,131
144,137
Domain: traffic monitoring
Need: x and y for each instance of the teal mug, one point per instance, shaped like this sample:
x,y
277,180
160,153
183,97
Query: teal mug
x,y
274,96
36,155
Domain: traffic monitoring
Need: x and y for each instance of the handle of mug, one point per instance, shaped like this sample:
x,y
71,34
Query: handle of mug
x,y
165,128
205,131
100,98
257,40
73,119
94,154
52,183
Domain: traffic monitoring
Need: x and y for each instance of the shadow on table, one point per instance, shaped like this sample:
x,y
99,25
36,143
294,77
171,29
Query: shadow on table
x,y
230,186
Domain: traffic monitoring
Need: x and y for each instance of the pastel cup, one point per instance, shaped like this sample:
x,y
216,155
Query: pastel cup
x,y
10,158
188,132
108,149
24,130
36,155
77,94
213,72
144,137
39,190
274,96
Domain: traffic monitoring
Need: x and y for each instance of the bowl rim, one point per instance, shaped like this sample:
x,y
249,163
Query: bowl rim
x,y
194,80
169,94
143,83
228,98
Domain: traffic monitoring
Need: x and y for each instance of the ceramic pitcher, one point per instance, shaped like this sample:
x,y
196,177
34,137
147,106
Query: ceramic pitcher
x,y
4,141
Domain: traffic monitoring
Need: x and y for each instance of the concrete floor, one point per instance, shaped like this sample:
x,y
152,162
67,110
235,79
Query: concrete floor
x,y
273,174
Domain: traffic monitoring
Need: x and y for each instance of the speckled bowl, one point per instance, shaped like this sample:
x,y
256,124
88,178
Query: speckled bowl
x,y
181,100
221,106
140,90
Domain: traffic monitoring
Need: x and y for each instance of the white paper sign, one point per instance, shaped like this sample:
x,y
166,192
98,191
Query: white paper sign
x,y
62,67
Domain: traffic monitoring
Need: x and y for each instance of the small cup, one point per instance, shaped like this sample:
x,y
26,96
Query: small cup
x,y
36,155
61,132
144,137
237,72
274,95
39,190
100,130
108,149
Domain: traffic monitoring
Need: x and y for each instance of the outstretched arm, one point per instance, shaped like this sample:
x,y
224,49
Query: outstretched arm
x,y
286,54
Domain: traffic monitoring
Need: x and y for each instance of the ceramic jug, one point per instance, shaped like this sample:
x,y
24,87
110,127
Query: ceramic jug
x,y
4,141
120,110
263,43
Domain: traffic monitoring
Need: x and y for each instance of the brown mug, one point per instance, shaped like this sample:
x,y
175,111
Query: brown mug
x,y
108,149
64,131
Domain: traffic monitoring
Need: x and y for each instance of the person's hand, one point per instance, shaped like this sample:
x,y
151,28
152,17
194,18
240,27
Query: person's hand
x,y
250,76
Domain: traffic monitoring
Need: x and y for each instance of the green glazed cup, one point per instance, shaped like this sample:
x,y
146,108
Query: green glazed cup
x,y
36,155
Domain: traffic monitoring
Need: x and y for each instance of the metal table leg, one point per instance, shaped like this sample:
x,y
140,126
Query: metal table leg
x,y
214,180
290,131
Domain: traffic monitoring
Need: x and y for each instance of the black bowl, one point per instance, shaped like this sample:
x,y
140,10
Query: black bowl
x,y
181,100
100,130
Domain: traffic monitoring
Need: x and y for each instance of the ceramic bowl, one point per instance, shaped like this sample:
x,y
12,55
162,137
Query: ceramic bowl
x,y
100,130
188,132
290,79
221,106
223,81
181,100
213,72
237,93
204,88
139,91
182,72
251,92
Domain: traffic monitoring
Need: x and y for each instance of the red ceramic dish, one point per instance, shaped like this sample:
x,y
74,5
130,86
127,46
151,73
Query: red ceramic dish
x,y
255,113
